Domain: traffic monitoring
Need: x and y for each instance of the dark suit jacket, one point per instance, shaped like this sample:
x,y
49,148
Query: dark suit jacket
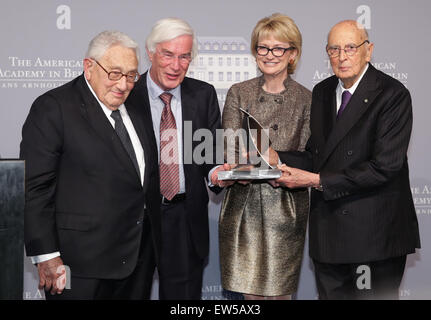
x,y
366,211
84,197
200,107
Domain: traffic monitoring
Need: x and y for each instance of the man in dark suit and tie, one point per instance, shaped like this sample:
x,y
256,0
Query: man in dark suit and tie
x,y
92,183
176,106
362,218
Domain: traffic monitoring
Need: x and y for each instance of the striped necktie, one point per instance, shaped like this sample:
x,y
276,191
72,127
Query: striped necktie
x,y
169,167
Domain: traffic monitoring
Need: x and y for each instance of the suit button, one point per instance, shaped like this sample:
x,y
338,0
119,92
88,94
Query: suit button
x,y
138,222
345,211
350,152
275,127
261,99
123,262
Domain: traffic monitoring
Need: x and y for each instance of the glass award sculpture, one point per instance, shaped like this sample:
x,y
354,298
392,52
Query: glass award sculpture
x,y
258,146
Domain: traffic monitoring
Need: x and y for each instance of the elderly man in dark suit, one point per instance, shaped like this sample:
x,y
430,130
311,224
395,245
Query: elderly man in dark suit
x,y
362,218
92,186
176,106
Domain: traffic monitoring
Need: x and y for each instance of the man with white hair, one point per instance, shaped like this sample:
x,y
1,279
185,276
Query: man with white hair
x,y
92,196
173,104
362,221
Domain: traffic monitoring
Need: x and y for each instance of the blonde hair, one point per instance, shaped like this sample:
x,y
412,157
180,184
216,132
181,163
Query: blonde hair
x,y
282,28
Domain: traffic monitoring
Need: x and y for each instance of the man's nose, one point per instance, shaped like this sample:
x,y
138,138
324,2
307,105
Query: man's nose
x,y
342,56
175,64
122,83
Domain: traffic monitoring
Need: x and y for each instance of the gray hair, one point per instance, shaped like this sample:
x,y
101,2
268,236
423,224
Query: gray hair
x,y
107,39
168,29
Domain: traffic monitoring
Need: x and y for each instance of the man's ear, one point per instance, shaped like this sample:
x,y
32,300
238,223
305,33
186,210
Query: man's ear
x,y
88,68
150,54
370,51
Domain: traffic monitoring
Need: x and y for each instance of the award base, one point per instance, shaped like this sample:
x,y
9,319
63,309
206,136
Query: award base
x,y
255,138
250,173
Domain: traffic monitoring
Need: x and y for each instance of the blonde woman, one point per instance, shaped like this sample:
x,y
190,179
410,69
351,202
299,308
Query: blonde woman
x,y
262,228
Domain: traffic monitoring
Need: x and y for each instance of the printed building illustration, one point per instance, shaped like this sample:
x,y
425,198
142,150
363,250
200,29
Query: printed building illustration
x,y
223,61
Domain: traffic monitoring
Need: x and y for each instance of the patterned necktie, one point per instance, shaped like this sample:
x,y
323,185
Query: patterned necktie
x,y
345,98
169,168
122,133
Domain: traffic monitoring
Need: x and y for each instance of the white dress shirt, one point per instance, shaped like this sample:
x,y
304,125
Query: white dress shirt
x,y
352,89
157,105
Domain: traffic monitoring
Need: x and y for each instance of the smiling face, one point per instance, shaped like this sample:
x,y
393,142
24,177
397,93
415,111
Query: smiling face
x,y
273,66
349,68
168,69
112,93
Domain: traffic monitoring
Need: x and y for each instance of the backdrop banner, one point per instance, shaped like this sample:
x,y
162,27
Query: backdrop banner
x,y
44,42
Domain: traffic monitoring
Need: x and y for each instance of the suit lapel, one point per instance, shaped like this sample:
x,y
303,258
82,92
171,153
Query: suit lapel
x,y
94,115
323,116
189,111
361,100
138,107
329,112
188,105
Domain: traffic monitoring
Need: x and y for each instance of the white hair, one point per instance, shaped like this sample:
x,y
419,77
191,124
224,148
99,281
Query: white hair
x,y
168,29
107,39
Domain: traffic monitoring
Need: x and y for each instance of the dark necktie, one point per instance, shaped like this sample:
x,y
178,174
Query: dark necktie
x,y
345,98
169,168
122,133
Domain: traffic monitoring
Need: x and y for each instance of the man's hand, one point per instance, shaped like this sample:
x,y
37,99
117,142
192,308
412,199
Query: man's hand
x,y
222,183
48,275
271,156
296,178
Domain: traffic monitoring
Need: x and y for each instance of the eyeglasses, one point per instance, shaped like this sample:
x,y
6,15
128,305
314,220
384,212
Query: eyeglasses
x,y
117,75
169,57
350,50
276,51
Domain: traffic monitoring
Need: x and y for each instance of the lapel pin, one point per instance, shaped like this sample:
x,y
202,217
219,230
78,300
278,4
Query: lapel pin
x,y
366,100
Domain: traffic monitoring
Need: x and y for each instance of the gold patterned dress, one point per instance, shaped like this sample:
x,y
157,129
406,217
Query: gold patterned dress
x,y
261,228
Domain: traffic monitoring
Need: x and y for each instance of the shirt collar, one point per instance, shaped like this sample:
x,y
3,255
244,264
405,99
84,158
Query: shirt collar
x,y
155,91
355,85
105,109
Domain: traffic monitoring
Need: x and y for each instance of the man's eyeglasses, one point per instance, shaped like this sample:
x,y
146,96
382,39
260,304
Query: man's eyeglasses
x,y
350,50
169,57
117,75
276,51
